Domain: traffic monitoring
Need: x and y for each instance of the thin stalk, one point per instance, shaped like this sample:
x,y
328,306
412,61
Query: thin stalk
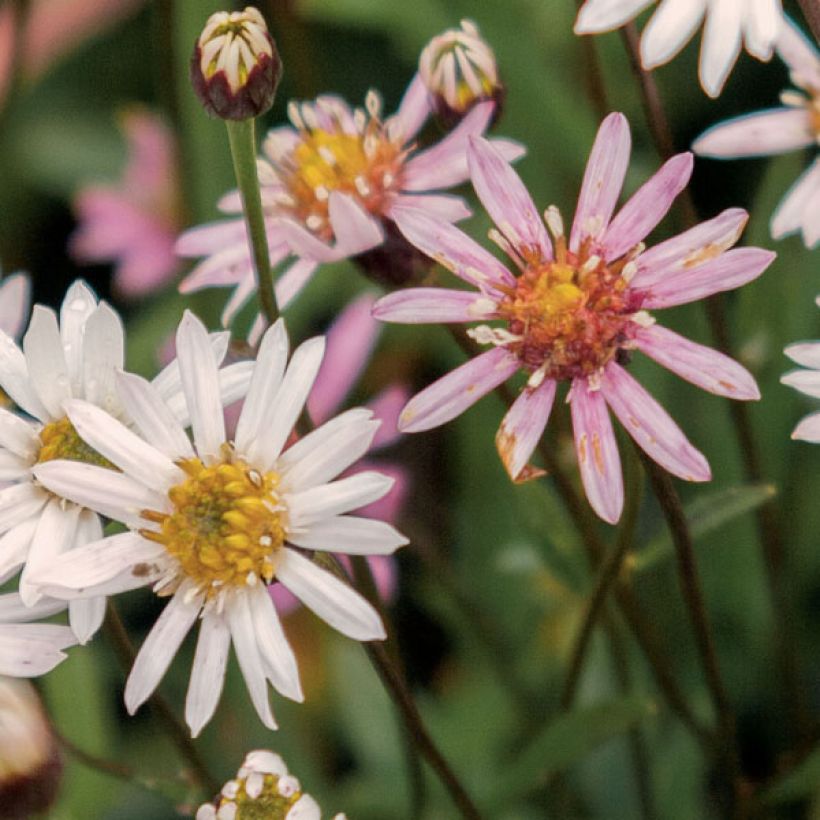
x,y
243,153
811,11
768,519
608,574
643,629
176,730
672,510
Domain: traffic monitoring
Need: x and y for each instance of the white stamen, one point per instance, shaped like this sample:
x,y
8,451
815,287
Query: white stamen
x,y
294,115
629,271
288,785
321,193
327,155
537,378
497,336
554,221
254,785
314,222
643,318
373,104
361,186
591,263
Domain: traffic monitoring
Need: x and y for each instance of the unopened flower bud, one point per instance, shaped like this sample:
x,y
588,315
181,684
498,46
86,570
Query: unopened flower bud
x,y
459,70
30,765
235,67
262,788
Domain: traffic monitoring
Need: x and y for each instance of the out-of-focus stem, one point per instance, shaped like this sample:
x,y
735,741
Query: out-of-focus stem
x,y
768,521
243,152
811,11
177,731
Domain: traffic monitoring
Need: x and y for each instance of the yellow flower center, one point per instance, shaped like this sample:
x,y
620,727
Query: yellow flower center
x,y
269,804
61,440
365,164
226,529
568,317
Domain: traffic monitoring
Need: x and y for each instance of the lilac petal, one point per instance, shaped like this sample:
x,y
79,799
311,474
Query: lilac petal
x,y
290,283
651,426
647,207
808,429
356,231
416,306
452,394
446,207
521,429
799,54
776,131
507,201
445,164
707,368
212,237
412,114
597,451
730,270
805,353
349,343
453,249
690,249
386,408
806,381
603,180
794,211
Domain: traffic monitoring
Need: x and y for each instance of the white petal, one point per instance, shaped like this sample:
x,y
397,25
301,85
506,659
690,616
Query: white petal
x,y
45,360
341,496
670,28
207,672
85,616
14,379
19,502
18,436
15,294
78,304
103,355
14,546
158,649
722,38
349,534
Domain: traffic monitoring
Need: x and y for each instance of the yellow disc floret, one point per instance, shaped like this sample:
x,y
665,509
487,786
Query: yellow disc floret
x,y
226,528
61,440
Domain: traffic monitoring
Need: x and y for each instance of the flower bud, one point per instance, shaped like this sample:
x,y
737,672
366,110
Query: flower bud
x,y
30,765
262,788
459,70
236,68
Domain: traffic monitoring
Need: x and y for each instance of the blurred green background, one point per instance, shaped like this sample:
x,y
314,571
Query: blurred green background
x,y
485,629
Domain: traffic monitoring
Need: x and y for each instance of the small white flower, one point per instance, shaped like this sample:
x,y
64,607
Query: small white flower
x,y
74,356
211,523
727,26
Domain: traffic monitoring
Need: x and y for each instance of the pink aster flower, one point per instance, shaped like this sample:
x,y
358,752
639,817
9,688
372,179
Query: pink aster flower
x,y
728,25
330,184
576,310
794,126
350,342
806,354
134,222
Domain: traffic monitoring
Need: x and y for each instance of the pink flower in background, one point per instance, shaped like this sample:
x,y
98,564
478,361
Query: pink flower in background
x,y
330,184
350,342
806,354
576,310
793,127
133,223
15,295
728,25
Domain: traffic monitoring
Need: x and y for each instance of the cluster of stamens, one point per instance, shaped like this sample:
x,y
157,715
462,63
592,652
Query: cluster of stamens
x,y
60,440
227,526
336,151
569,316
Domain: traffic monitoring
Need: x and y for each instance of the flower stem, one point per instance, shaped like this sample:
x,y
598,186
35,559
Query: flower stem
x,y
768,519
672,509
811,11
176,730
243,153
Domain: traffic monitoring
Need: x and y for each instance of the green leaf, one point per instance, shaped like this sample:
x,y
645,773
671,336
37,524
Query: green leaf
x,y
567,740
800,782
706,514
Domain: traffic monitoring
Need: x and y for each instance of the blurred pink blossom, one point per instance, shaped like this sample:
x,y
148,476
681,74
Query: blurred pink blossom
x,y
133,223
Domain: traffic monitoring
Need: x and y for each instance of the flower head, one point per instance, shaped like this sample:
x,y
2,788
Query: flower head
x,y
134,222
576,310
794,126
214,521
806,354
727,26
330,183
262,788
235,68
74,356
459,70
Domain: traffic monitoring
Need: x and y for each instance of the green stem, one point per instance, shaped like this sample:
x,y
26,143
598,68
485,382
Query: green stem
x,y
176,730
243,152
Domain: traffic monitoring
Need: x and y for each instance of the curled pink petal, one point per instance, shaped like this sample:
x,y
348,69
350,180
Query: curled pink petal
x,y
452,394
651,426
597,451
707,368
603,180
414,109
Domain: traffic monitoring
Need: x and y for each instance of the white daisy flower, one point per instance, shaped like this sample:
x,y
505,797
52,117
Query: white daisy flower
x,y
31,649
74,356
213,522
728,25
